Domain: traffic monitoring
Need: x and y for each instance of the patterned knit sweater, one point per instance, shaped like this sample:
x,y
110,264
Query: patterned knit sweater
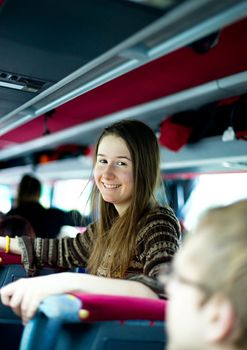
x,y
157,242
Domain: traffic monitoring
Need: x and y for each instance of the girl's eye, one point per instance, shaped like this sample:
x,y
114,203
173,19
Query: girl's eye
x,y
121,163
102,161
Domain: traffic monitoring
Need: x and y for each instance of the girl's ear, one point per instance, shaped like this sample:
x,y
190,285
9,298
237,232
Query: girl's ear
x,y
219,319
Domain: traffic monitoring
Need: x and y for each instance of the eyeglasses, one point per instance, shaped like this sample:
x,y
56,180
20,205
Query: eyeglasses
x,y
168,275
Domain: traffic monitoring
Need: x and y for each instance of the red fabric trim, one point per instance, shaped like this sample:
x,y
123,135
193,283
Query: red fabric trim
x,y
241,134
228,101
6,259
111,307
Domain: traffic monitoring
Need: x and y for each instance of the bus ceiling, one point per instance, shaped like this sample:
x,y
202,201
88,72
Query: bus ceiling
x,y
66,71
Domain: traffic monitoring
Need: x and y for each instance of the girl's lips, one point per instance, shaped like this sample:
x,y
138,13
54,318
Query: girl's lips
x,y
110,186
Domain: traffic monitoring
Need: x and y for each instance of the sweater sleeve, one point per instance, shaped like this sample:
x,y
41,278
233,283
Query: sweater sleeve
x,y
61,253
158,241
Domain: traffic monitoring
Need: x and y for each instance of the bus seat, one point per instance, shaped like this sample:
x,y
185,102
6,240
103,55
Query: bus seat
x,y
102,322
11,270
11,326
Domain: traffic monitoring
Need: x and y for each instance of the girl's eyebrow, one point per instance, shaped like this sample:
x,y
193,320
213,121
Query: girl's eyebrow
x,y
122,157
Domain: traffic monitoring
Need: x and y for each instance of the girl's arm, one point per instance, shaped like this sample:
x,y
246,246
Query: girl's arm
x,y
25,295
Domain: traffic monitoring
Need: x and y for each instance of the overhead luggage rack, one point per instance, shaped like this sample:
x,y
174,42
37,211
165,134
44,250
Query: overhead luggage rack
x,y
179,27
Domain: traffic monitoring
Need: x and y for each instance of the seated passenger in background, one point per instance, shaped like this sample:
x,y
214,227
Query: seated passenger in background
x,y
28,205
131,237
14,225
55,220
45,222
208,287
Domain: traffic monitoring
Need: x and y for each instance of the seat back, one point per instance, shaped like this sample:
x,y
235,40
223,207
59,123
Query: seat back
x,y
11,327
8,274
11,273
112,335
106,326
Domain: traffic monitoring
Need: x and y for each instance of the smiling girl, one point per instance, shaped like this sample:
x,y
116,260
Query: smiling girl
x,y
124,247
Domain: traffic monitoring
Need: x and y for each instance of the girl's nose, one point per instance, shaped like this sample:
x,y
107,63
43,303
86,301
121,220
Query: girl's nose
x,y
108,171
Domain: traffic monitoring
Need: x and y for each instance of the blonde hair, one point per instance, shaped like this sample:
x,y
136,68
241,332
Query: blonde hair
x,y
223,259
116,236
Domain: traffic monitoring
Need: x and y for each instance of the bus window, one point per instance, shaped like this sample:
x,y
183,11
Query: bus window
x,y
213,190
72,194
46,192
5,198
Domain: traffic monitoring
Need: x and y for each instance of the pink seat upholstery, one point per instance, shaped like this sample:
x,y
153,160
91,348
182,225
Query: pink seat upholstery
x,y
6,259
110,307
111,322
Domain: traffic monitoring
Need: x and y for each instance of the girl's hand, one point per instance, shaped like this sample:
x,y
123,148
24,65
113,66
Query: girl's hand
x,y
25,295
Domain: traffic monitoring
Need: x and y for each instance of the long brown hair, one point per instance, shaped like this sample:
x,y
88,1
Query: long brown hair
x,y
116,236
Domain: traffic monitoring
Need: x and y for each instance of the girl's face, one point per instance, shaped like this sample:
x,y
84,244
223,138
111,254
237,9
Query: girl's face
x,y
113,172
